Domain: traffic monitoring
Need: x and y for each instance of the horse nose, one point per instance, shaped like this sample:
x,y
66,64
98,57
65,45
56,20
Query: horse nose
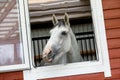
x,y
47,57
47,54
50,52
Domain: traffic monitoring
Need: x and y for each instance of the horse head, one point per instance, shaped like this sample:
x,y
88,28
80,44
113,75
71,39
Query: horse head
x,y
60,41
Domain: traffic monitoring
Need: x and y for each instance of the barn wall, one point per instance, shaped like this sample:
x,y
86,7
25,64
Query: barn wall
x,y
112,24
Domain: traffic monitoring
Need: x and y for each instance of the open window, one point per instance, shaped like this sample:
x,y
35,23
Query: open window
x,y
87,23
13,45
80,22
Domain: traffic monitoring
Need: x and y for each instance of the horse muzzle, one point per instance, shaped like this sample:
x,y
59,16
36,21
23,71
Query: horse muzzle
x,y
50,52
47,56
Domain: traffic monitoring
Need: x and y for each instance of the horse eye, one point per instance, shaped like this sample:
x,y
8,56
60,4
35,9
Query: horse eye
x,y
64,33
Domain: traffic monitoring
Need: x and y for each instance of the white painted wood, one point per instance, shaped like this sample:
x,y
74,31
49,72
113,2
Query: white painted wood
x,y
62,70
102,35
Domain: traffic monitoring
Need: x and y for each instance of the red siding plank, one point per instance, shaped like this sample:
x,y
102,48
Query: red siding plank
x,y
114,53
113,43
111,14
115,74
58,78
12,76
111,4
98,76
1,76
111,79
115,63
113,33
112,23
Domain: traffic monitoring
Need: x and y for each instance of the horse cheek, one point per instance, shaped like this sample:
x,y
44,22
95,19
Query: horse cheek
x,y
67,45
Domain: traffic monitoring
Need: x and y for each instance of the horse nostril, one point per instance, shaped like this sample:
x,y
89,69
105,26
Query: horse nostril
x,y
49,55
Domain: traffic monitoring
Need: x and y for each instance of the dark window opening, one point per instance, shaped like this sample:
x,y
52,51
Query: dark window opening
x,y
80,20
83,30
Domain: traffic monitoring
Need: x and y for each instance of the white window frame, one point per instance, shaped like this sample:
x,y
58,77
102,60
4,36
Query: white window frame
x,y
24,46
102,65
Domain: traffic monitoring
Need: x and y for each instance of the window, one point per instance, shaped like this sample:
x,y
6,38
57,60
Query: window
x,y
80,22
13,45
88,27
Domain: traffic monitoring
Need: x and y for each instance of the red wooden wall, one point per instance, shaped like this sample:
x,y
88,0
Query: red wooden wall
x,y
12,76
112,24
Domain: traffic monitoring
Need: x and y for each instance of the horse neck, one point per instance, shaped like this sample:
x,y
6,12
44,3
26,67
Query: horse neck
x,y
75,49
73,40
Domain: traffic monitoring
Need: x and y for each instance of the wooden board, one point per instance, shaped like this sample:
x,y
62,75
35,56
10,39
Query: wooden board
x,y
115,63
42,12
110,4
113,43
112,14
115,75
12,76
98,76
112,23
57,5
114,53
113,33
60,16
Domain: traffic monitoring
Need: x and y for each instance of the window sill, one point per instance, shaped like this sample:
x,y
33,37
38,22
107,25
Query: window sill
x,y
64,70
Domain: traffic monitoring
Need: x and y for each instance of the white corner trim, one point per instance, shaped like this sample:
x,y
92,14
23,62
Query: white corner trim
x,y
24,34
98,15
102,65
106,61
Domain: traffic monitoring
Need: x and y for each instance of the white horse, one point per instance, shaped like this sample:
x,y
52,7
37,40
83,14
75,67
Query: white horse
x,y
62,46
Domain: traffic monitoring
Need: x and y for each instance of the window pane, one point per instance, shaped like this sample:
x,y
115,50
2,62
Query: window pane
x,y
11,51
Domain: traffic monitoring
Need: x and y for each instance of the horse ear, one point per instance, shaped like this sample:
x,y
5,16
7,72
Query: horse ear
x,y
54,19
66,18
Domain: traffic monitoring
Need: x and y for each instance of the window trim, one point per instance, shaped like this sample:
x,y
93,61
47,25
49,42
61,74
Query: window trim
x,y
22,23
102,65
